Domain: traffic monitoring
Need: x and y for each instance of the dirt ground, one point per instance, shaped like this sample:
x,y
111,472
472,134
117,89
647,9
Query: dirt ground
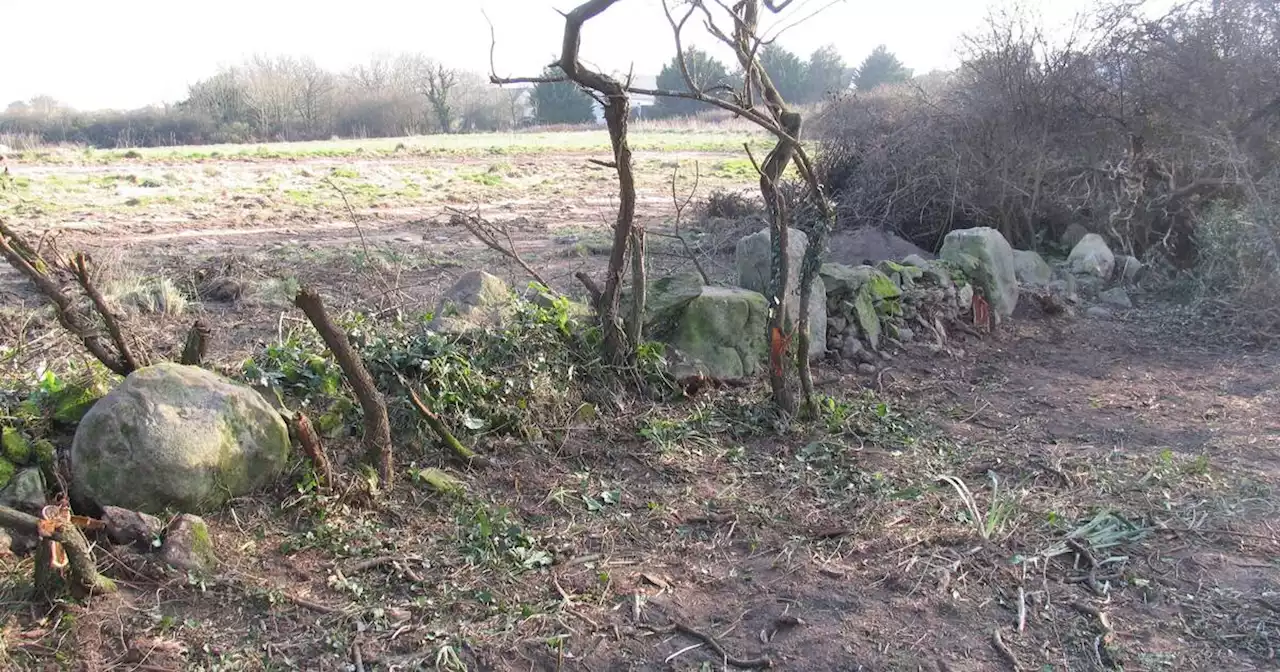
x,y
693,536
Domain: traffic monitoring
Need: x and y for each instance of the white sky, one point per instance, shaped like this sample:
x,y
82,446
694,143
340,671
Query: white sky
x,y
130,53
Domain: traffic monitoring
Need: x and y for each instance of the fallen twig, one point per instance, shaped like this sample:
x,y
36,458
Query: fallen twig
x,y
446,437
1091,566
744,663
1090,610
1022,609
1003,649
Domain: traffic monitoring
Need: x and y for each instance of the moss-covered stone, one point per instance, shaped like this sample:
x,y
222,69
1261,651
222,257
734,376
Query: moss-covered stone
x,y
71,403
188,545
842,281
665,301
45,453
16,447
864,311
881,287
173,436
722,332
6,471
25,491
987,259
477,300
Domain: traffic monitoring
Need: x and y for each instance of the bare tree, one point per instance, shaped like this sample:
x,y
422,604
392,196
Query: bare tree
x,y
438,83
760,102
271,92
314,103
620,340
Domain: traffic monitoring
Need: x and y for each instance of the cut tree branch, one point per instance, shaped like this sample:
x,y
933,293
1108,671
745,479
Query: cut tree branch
x,y
309,440
27,262
80,270
442,431
81,566
197,344
377,427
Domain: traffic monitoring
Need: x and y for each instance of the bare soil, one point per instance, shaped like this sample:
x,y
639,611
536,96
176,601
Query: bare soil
x,y
831,545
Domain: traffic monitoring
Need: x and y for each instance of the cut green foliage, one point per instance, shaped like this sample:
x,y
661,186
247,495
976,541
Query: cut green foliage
x,y
1104,531
530,372
1001,510
493,536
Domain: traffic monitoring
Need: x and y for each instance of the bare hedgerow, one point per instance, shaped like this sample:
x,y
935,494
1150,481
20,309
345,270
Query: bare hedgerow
x,y
1130,127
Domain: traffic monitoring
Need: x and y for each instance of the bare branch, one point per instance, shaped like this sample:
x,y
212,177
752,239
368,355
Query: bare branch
x,y
492,235
24,259
80,270
680,208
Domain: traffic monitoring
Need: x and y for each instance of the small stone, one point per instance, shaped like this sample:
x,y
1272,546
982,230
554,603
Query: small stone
x,y
964,297
867,357
125,527
867,369
1117,297
851,346
1128,268
906,335
25,491
187,545
1098,313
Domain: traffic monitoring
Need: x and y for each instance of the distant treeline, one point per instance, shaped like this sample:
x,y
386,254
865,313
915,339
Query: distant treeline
x,y
286,98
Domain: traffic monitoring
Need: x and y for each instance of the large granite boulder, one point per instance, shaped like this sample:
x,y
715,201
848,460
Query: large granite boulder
x,y
1092,257
1031,269
754,260
715,331
176,437
721,333
987,259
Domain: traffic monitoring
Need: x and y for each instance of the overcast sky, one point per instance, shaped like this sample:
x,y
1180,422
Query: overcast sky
x,y
130,53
